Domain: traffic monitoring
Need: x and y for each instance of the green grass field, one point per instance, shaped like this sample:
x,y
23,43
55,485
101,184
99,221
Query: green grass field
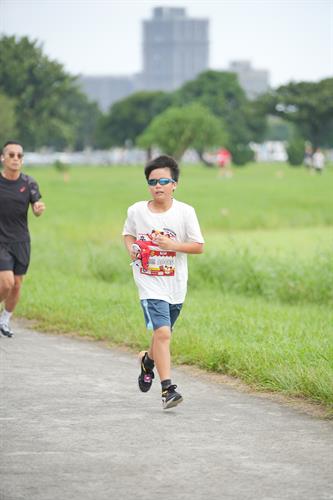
x,y
260,298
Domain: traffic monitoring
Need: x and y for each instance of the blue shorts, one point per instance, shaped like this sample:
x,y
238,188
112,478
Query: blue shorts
x,y
160,313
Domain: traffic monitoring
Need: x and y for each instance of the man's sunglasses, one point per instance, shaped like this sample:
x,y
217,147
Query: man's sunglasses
x,y
163,181
18,155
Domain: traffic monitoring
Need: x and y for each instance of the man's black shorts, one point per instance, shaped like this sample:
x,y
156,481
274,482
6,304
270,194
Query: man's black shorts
x,y
15,257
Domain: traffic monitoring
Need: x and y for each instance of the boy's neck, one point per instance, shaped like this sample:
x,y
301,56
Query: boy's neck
x,y
160,206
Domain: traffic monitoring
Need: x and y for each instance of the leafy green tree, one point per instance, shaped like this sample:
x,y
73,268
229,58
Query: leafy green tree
x,y
257,121
47,98
179,128
83,117
242,154
296,151
8,129
128,118
221,93
308,105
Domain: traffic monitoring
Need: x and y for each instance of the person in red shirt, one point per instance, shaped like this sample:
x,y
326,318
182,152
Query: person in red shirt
x,y
224,160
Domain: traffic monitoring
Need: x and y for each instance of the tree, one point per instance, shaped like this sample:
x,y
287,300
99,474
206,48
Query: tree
x,y
179,128
296,151
128,118
308,105
256,121
221,93
8,129
83,116
46,97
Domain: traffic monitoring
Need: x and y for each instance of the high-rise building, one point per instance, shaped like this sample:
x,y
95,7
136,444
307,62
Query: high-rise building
x,y
175,49
105,90
253,81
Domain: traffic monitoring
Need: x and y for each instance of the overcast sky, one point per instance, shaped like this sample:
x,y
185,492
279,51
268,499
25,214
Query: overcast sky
x,y
292,39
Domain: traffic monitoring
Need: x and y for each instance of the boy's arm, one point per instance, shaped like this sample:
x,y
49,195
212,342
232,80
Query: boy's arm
x,y
129,240
166,243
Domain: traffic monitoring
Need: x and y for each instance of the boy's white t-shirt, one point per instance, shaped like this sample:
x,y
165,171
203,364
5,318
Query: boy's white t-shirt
x,y
165,276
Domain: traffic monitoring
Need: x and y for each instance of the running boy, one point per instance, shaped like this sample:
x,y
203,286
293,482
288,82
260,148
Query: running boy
x,y
167,230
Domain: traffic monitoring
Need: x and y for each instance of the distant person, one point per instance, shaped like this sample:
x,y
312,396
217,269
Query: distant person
x,y
224,161
308,156
318,161
17,192
158,234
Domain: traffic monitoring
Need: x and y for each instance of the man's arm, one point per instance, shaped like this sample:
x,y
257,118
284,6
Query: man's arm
x,y
38,208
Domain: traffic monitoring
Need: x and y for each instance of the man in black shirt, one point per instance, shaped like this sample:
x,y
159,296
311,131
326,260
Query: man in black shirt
x,y
17,192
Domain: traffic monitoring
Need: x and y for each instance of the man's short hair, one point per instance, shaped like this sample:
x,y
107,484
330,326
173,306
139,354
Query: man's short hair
x,y
10,142
163,161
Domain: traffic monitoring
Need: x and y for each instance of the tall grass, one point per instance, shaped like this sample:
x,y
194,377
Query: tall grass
x,y
241,270
260,298
247,272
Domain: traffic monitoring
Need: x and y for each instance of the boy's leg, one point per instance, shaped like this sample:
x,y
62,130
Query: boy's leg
x,y
160,348
157,318
170,397
161,316
147,375
157,355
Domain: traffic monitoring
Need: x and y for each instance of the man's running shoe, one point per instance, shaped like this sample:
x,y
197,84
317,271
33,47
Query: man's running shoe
x,y
170,397
146,376
6,331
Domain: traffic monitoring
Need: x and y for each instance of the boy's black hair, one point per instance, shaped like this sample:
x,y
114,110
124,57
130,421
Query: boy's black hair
x,y
163,161
11,142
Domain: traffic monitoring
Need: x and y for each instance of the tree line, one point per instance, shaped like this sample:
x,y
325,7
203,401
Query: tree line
x,y
43,106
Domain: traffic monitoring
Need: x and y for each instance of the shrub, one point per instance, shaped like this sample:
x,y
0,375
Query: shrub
x,y
241,154
296,151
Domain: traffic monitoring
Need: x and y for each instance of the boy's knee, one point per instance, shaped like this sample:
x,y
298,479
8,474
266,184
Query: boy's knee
x,y
163,334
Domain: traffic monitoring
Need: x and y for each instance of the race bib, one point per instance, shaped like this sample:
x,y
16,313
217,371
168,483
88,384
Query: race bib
x,y
160,263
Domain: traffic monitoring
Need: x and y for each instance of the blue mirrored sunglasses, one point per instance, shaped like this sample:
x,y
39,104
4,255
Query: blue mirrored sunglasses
x,y
163,181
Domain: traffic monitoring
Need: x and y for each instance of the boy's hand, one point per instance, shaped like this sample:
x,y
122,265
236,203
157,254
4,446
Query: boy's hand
x,y
134,251
165,243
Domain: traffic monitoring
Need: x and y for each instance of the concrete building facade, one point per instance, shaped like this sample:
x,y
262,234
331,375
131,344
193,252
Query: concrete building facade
x,y
253,81
105,90
175,49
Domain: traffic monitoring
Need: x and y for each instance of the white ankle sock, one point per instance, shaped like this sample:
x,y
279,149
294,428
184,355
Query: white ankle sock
x,y
5,317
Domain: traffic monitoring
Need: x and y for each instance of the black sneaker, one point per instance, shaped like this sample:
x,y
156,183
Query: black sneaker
x,y
170,397
146,376
6,331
